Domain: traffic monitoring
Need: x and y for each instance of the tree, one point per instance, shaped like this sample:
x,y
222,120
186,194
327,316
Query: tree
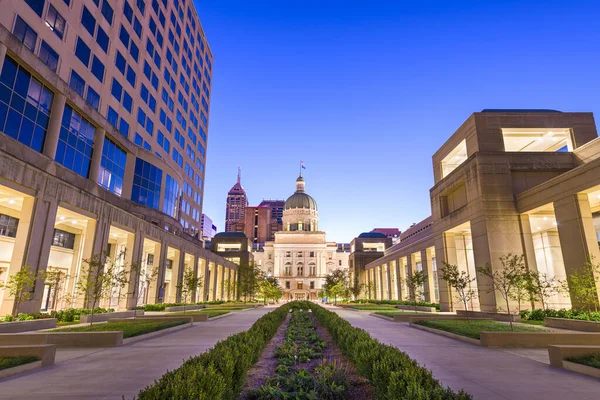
x,y
583,285
369,289
142,275
20,286
542,287
229,287
249,277
54,279
460,281
189,285
415,282
101,277
356,289
506,280
336,284
268,288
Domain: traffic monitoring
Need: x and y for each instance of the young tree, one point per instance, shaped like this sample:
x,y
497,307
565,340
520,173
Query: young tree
x,y
190,284
143,276
460,281
336,284
506,280
542,287
583,285
268,288
415,282
20,286
369,289
229,287
356,289
55,279
249,277
101,277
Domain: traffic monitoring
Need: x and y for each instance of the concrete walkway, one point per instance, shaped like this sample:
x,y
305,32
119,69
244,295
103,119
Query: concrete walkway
x,y
485,373
123,371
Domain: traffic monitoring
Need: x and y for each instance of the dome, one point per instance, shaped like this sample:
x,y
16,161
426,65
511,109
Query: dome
x,y
372,235
300,199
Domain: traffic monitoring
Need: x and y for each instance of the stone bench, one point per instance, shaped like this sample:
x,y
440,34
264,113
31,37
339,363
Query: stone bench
x,y
503,317
161,318
184,308
25,326
43,352
414,317
572,324
418,308
64,339
558,355
538,339
86,318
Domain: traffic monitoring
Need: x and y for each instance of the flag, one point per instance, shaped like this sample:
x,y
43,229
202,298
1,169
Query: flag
x,y
302,165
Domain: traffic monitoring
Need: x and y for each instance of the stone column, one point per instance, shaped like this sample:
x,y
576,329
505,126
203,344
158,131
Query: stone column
x,y
135,269
177,279
56,114
162,271
99,135
578,239
206,280
445,250
2,55
214,278
428,268
222,285
399,293
128,177
388,281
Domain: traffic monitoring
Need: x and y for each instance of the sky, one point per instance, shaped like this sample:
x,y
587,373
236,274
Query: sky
x,y
365,92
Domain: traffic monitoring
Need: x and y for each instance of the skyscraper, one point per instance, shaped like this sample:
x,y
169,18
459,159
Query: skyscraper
x,y
236,205
209,230
104,110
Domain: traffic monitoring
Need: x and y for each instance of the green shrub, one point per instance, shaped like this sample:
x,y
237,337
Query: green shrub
x,y
219,374
393,373
540,314
399,303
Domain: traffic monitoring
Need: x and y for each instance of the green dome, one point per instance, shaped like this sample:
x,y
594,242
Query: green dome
x,y
301,200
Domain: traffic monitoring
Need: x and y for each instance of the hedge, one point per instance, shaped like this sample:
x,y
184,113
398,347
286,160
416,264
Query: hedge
x,y
393,373
219,374
398,303
540,314
162,306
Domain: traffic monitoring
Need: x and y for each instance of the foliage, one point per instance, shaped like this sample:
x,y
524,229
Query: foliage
x,y
583,285
542,287
592,360
373,308
219,373
415,282
129,329
398,302
67,315
211,312
20,286
162,306
474,328
189,286
460,281
541,314
248,281
269,288
336,284
393,373
506,280
100,278
10,362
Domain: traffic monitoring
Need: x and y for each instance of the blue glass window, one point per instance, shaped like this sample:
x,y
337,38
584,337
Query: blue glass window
x,y
127,101
170,197
116,90
146,184
88,21
128,12
25,34
83,52
112,117
93,98
138,140
107,11
112,167
24,105
102,39
55,21
77,83
131,76
36,5
124,128
49,56
75,142
98,69
120,62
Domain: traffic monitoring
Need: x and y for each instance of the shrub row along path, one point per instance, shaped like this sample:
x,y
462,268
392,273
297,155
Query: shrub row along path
x,y
485,373
123,371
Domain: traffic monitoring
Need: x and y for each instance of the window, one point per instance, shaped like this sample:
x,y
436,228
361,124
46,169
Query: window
x,y
340,263
102,39
112,167
36,5
49,56
75,142
287,284
170,197
83,52
116,90
8,225
88,21
55,22
300,269
120,62
131,76
312,284
25,34
93,98
311,254
77,83
311,269
24,105
107,12
146,184
98,69
63,239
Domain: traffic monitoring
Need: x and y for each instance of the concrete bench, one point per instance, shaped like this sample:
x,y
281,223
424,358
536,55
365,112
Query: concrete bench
x,y
64,339
418,308
86,318
558,355
43,352
25,326
160,318
538,339
572,324
184,308
490,315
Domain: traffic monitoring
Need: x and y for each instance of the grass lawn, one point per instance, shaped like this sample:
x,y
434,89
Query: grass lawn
x,y
226,307
593,360
9,362
473,328
211,313
373,307
532,322
130,329
63,323
392,313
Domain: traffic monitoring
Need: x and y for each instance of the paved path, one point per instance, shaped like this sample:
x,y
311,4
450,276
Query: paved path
x,y
488,374
123,371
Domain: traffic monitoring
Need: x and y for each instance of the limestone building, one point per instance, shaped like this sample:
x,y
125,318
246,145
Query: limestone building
x,y
507,181
104,110
300,256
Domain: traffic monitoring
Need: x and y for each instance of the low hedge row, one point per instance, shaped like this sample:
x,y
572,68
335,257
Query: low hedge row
x,y
66,315
162,306
399,303
219,374
540,314
393,373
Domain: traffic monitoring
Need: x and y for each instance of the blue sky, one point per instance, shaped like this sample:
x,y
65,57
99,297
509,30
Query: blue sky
x,y
365,92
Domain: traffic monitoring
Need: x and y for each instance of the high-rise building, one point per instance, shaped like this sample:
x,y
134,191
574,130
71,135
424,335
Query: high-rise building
x,y
277,207
209,230
104,110
236,205
257,225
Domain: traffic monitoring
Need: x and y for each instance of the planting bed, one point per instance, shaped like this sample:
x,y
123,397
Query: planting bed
x,y
302,362
593,360
473,328
211,313
10,362
129,329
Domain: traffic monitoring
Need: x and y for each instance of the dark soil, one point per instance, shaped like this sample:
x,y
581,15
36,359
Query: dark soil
x,y
358,387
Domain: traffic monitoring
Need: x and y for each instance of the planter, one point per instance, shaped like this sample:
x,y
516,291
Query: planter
x,y
503,317
184,308
447,334
538,339
5,373
156,333
582,369
25,326
86,318
412,317
559,353
45,353
162,318
572,324
64,339
419,308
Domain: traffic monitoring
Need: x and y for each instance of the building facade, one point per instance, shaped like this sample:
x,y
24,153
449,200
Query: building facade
x,y
257,225
97,156
236,205
392,233
300,257
521,182
209,230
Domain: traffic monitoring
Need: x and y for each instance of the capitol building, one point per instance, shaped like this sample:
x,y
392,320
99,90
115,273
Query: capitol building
x,y
300,256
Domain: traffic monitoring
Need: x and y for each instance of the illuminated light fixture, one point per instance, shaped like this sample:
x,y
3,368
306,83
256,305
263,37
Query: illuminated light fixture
x,y
598,196
11,201
62,217
554,223
538,228
74,222
113,234
545,218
